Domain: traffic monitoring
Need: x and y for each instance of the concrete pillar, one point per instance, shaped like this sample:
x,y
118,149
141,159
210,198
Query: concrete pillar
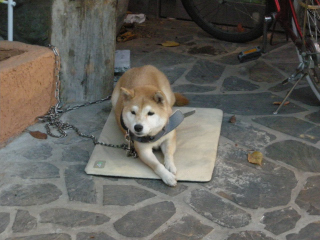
x,y
84,31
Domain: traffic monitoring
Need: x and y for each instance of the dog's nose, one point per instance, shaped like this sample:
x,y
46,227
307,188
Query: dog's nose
x,y
138,127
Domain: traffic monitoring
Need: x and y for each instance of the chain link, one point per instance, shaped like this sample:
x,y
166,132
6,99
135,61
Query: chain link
x,y
56,75
52,118
86,104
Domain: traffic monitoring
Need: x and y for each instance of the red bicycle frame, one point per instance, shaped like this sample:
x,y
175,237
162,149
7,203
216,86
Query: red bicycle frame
x,y
285,9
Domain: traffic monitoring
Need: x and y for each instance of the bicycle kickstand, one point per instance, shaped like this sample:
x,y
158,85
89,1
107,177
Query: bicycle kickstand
x,y
299,75
267,21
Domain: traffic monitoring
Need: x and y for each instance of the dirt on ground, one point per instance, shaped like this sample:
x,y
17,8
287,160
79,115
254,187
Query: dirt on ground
x,y
146,29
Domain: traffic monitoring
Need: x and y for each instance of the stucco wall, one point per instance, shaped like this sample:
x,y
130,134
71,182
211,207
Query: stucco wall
x,y
27,86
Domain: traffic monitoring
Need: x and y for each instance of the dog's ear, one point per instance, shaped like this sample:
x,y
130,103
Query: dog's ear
x,y
127,94
159,97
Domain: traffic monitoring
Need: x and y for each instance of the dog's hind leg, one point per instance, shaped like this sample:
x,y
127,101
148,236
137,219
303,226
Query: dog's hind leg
x,y
148,157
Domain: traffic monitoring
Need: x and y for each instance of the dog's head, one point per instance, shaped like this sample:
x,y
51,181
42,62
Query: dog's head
x,y
146,110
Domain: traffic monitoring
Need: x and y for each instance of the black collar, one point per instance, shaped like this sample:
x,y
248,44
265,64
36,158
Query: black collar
x,y
174,121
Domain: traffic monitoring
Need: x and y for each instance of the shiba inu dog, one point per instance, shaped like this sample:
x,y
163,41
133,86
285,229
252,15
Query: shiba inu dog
x,y
142,102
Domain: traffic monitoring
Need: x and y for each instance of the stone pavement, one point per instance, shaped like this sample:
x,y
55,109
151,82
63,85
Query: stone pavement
x,y
45,194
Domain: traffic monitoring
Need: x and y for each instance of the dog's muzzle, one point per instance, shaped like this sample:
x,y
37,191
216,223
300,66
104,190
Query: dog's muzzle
x,y
174,121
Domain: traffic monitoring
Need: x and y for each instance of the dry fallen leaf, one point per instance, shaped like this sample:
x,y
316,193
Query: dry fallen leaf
x,y
240,28
38,135
278,103
255,158
232,119
307,136
170,44
126,37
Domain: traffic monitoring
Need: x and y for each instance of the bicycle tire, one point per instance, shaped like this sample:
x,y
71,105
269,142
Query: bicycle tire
x,y
313,77
242,21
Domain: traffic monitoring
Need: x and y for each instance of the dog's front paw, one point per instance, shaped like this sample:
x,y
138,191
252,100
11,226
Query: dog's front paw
x,y
169,179
171,167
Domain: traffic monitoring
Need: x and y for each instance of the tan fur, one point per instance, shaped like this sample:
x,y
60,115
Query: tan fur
x,y
180,100
144,98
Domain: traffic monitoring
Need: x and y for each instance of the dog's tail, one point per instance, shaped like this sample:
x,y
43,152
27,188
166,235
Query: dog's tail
x,y
180,100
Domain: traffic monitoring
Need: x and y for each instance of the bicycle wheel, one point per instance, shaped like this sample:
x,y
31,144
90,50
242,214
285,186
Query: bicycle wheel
x,y
229,20
312,39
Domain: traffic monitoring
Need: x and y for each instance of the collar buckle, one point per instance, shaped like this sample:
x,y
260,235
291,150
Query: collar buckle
x,y
131,152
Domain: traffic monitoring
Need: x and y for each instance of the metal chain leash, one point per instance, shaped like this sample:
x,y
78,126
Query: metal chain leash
x,y
52,118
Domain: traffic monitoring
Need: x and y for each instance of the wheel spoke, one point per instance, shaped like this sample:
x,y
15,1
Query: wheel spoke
x,y
235,21
311,37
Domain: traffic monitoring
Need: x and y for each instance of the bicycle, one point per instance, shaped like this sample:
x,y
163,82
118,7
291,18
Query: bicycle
x,y
246,20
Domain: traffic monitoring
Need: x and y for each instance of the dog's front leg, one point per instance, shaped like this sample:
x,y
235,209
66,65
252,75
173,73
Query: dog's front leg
x,y
168,148
148,157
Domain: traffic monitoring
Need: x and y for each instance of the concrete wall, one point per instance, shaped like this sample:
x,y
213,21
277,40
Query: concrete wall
x,y
31,19
148,7
159,8
83,30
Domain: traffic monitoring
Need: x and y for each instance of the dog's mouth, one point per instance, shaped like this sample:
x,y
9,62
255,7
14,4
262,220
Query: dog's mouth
x,y
139,134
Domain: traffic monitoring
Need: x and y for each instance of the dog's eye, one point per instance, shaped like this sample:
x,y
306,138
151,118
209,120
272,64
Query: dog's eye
x,y
133,112
150,113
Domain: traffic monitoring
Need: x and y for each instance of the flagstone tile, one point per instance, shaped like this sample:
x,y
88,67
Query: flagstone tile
x,y
38,152
309,232
145,220
242,104
72,218
246,235
187,227
51,236
281,221
262,72
245,134
24,222
249,185
164,58
159,186
205,72
314,117
192,88
75,154
309,197
305,95
292,126
234,83
29,195
297,154
93,236
209,206
33,170
123,195
4,221
80,186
